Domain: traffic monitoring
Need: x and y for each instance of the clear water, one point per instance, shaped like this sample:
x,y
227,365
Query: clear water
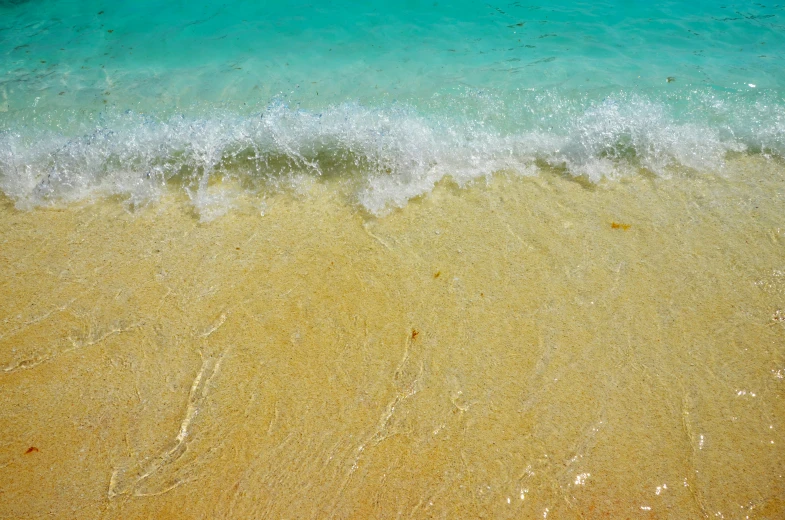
x,y
525,346
102,98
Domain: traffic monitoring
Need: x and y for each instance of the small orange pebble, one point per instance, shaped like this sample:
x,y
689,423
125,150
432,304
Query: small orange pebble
x,y
616,225
437,274
31,449
414,333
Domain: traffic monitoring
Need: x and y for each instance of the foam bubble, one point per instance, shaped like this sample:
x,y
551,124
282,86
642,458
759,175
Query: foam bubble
x,y
393,153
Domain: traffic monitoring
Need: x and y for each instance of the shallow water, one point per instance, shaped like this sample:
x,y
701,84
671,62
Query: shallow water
x,y
436,260
527,347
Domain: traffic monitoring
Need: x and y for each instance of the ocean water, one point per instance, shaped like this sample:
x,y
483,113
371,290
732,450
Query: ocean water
x,y
107,99
392,260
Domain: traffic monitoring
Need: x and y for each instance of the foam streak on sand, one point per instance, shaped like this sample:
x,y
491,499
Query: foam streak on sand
x,y
126,480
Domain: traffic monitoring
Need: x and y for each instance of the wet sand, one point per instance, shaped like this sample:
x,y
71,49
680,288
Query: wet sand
x,y
523,348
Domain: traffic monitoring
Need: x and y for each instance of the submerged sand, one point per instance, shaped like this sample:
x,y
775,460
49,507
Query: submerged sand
x,y
522,348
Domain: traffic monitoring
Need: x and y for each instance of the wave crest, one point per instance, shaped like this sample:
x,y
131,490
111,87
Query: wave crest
x,y
393,153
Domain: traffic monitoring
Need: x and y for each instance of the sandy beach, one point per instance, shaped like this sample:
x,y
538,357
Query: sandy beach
x,y
526,347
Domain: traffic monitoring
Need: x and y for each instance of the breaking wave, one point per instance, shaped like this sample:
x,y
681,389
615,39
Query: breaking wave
x,y
390,153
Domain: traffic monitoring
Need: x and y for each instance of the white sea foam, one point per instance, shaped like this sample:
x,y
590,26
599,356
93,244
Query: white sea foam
x,y
394,153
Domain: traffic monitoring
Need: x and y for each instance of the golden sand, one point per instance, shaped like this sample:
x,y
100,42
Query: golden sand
x,y
522,348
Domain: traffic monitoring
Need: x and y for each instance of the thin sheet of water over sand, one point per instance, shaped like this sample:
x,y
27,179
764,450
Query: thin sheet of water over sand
x,y
523,348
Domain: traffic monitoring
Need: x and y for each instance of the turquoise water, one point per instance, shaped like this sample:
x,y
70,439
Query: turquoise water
x,y
100,98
